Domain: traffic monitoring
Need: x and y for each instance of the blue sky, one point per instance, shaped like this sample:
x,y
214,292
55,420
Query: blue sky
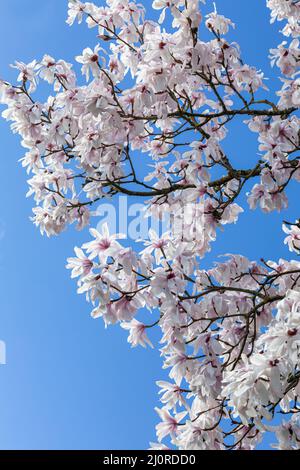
x,y
68,382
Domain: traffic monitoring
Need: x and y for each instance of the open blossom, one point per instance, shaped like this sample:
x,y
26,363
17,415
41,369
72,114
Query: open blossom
x,y
27,73
286,57
171,394
152,122
288,434
90,60
218,23
286,10
169,424
138,335
81,265
156,244
162,5
75,12
58,72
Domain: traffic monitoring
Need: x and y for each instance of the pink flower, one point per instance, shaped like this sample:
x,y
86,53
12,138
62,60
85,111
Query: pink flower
x,y
169,424
81,265
137,334
104,245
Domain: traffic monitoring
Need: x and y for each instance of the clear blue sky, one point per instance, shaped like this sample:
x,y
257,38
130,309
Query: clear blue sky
x,y
68,382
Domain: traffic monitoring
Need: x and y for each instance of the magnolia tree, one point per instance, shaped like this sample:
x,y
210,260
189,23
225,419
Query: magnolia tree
x,y
230,335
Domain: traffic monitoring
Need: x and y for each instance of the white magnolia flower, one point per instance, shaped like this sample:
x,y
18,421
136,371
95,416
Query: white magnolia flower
x,y
104,245
151,122
137,334
90,60
81,265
